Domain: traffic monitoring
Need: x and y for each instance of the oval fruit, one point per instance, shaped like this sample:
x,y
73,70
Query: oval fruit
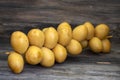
x,y
84,43
106,45
65,33
95,44
19,42
34,55
51,38
15,62
48,58
80,33
74,47
64,25
90,29
44,29
36,37
60,53
101,31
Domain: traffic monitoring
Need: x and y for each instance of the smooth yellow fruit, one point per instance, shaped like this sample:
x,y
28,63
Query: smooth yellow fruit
x,y
34,55
44,29
60,53
95,45
36,37
65,33
74,47
101,31
15,62
19,42
80,33
51,38
106,45
90,29
48,58
84,43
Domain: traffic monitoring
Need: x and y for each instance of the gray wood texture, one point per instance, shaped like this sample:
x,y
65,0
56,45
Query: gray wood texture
x,y
87,66
56,11
26,14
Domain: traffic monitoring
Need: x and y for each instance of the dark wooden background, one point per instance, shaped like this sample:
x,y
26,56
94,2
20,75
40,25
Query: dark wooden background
x,y
26,14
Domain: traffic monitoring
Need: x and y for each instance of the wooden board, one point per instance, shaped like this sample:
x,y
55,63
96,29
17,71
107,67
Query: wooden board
x,y
87,66
56,11
26,14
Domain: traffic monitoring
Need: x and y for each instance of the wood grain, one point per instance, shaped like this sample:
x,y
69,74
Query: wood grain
x,y
56,11
82,67
26,14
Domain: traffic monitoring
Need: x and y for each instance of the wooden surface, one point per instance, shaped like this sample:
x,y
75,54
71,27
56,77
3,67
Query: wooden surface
x,y
87,66
26,14
55,11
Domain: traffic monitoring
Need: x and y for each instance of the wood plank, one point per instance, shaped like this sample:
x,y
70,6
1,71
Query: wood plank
x,y
26,14
55,11
64,72
83,67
